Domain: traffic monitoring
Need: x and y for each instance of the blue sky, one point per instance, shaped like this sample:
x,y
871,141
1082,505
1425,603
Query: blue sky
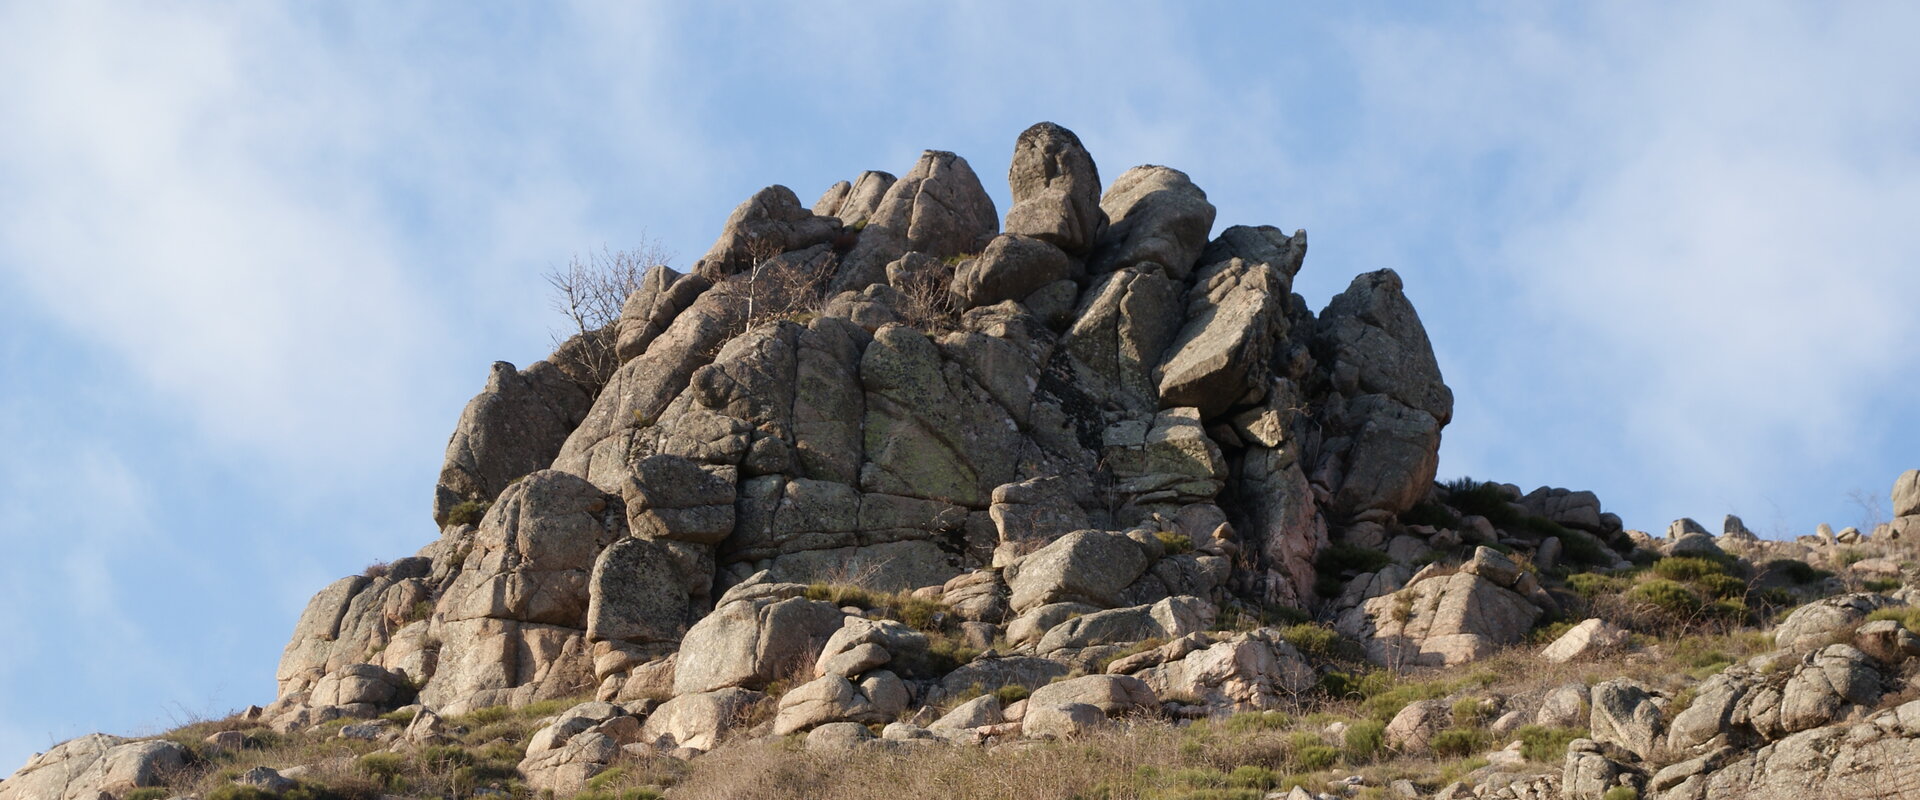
x,y
254,258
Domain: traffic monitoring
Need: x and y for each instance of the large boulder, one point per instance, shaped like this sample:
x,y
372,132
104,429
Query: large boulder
x,y
1011,268
1168,619
637,594
514,426
82,768
854,202
1586,639
698,720
769,223
1253,671
1625,714
1056,189
663,294
1083,566
752,642
1159,222
534,552
1382,427
1446,620
1222,357
1825,621
938,208
670,497
1906,494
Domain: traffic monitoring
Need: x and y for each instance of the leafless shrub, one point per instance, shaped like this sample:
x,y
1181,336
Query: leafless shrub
x,y
590,291
929,305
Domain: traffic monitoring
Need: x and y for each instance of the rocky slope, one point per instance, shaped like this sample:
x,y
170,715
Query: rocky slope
x,y
883,463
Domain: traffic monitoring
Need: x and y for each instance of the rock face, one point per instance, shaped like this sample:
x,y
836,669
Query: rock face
x,y
1102,412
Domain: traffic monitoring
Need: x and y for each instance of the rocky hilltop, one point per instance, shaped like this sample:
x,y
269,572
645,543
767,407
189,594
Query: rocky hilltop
x,y
1087,472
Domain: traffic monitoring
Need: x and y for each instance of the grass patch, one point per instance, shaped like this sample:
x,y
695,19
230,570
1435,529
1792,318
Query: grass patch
x,y
1907,616
1364,741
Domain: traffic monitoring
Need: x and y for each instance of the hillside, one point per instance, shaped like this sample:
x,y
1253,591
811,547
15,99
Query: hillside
x,y
892,497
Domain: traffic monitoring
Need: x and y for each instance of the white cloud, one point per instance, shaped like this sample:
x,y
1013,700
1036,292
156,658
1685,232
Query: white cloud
x,y
1703,216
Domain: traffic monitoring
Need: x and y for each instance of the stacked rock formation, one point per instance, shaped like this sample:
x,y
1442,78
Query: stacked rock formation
x,y
921,399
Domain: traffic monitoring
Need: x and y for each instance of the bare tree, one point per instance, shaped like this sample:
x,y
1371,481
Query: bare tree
x,y
590,292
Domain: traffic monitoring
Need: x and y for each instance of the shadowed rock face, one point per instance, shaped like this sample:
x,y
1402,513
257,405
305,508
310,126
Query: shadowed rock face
x,y
886,390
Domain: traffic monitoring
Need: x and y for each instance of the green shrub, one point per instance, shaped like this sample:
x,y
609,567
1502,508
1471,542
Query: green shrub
x,y
469,512
1011,693
1722,586
1252,777
1321,642
1341,558
1175,543
1621,793
439,758
1469,712
1687,568
1581,547
1458,742
1316,757
1592,584
148,793
1364,740
1665,595
1545,744
1882,585
1488,500
1850,557
234,791
1795,570
1429,513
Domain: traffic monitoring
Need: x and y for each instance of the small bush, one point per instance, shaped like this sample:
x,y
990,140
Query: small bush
x,y
1666,596
1850,557
1798,571
1321,642
1470,712
1581,547
1621,793
1341,558
1175,543
1722,586
1687,568
377,569
468,512
1592,584
1547,745
148,793
1315,757
1881,585
1488,500
1364,740
1429,513
381,766
1458,742
1010,694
